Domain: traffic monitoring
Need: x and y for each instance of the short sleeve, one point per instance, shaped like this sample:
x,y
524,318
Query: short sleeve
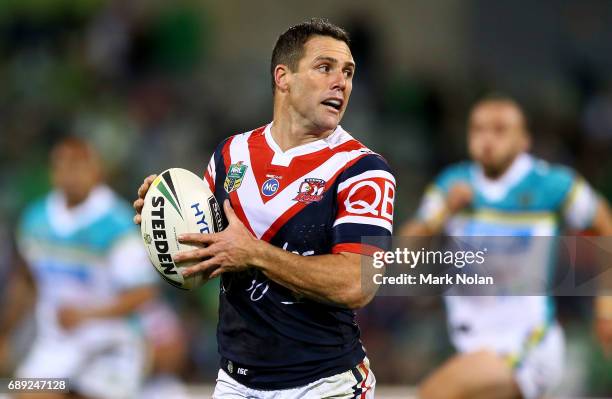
x,y
433,203
580,204
216,160
25,232
211,173
365,198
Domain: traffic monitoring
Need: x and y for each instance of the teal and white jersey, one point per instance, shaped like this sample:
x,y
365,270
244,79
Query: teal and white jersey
x,y
532,198
82,256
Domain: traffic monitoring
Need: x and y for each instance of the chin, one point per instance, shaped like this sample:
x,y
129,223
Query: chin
x,y
328,123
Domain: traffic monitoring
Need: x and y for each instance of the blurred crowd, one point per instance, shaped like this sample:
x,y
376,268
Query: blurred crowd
x,y
150,84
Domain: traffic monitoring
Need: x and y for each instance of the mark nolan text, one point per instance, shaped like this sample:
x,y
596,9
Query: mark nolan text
x,y
431,279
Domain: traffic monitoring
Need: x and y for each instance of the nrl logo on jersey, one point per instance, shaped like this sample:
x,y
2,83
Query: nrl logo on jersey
x,y
234,177
311,190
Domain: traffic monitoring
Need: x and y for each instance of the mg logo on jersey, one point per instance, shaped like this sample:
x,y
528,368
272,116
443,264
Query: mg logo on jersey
x,y
234,177
270,187
311,190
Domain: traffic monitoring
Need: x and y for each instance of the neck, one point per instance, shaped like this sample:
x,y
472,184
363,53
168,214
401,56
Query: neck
x,y
72,202
290,129
496,173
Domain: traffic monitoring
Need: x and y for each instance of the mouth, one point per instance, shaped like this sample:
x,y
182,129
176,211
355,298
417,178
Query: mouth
x,y
335,103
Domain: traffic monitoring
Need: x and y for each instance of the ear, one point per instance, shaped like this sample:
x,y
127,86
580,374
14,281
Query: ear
x,y
282,77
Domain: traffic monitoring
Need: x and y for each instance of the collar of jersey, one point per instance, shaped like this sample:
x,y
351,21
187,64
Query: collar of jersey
x,y
283,158
66,220
495,190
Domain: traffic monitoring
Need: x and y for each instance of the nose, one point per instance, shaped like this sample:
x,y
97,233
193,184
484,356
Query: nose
x,y
339,81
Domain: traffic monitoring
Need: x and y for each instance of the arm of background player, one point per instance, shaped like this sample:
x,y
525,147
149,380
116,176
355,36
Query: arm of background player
x,y
134,278
16,301
602,225
125,303
602,221
435,210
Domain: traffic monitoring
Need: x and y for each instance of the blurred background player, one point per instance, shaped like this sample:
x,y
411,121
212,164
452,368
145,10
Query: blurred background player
x,y
167,349
509,346
90,274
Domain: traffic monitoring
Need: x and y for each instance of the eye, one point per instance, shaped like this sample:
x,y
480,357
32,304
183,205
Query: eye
x,y
348,73
324,68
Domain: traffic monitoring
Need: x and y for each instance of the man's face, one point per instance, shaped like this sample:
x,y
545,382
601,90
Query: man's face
x,y
496,135
320,88
74,172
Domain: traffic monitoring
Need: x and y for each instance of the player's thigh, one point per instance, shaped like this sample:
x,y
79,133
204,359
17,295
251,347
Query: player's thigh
x,y
42,395
117,372
477,375
541,368
49,395
50,358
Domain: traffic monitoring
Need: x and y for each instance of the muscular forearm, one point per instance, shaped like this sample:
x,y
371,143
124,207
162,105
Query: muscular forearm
x,y
602,225
125,304
18,300
420,229
602,222
333,278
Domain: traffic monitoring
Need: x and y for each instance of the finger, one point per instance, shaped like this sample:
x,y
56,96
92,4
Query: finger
x,y
195,254
137,219
138,204
217,272
196,238
142,190
205,267
229,212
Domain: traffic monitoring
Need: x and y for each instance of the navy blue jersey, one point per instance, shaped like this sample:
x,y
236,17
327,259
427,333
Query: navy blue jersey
x,y
318,198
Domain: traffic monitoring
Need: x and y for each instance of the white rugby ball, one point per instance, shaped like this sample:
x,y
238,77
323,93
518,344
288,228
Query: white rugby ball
x,y
177,202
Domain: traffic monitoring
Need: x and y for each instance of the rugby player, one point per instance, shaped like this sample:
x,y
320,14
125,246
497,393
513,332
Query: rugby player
x,y
90,274
299,193
508,346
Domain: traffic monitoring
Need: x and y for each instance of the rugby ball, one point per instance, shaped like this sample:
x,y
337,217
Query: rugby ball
x,y
177,202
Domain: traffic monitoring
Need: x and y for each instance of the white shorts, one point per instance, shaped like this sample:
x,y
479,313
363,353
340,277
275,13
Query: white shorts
x,y
112,371
540,369
358,382
536,358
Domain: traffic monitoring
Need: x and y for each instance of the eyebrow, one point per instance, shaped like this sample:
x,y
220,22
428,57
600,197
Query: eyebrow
x,y
333,61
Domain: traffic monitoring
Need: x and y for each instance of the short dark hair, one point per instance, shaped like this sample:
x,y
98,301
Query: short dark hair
x,y
497,97
289,47
501,97
73,145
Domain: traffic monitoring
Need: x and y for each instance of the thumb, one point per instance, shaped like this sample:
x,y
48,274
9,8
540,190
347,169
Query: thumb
x,y
229,212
